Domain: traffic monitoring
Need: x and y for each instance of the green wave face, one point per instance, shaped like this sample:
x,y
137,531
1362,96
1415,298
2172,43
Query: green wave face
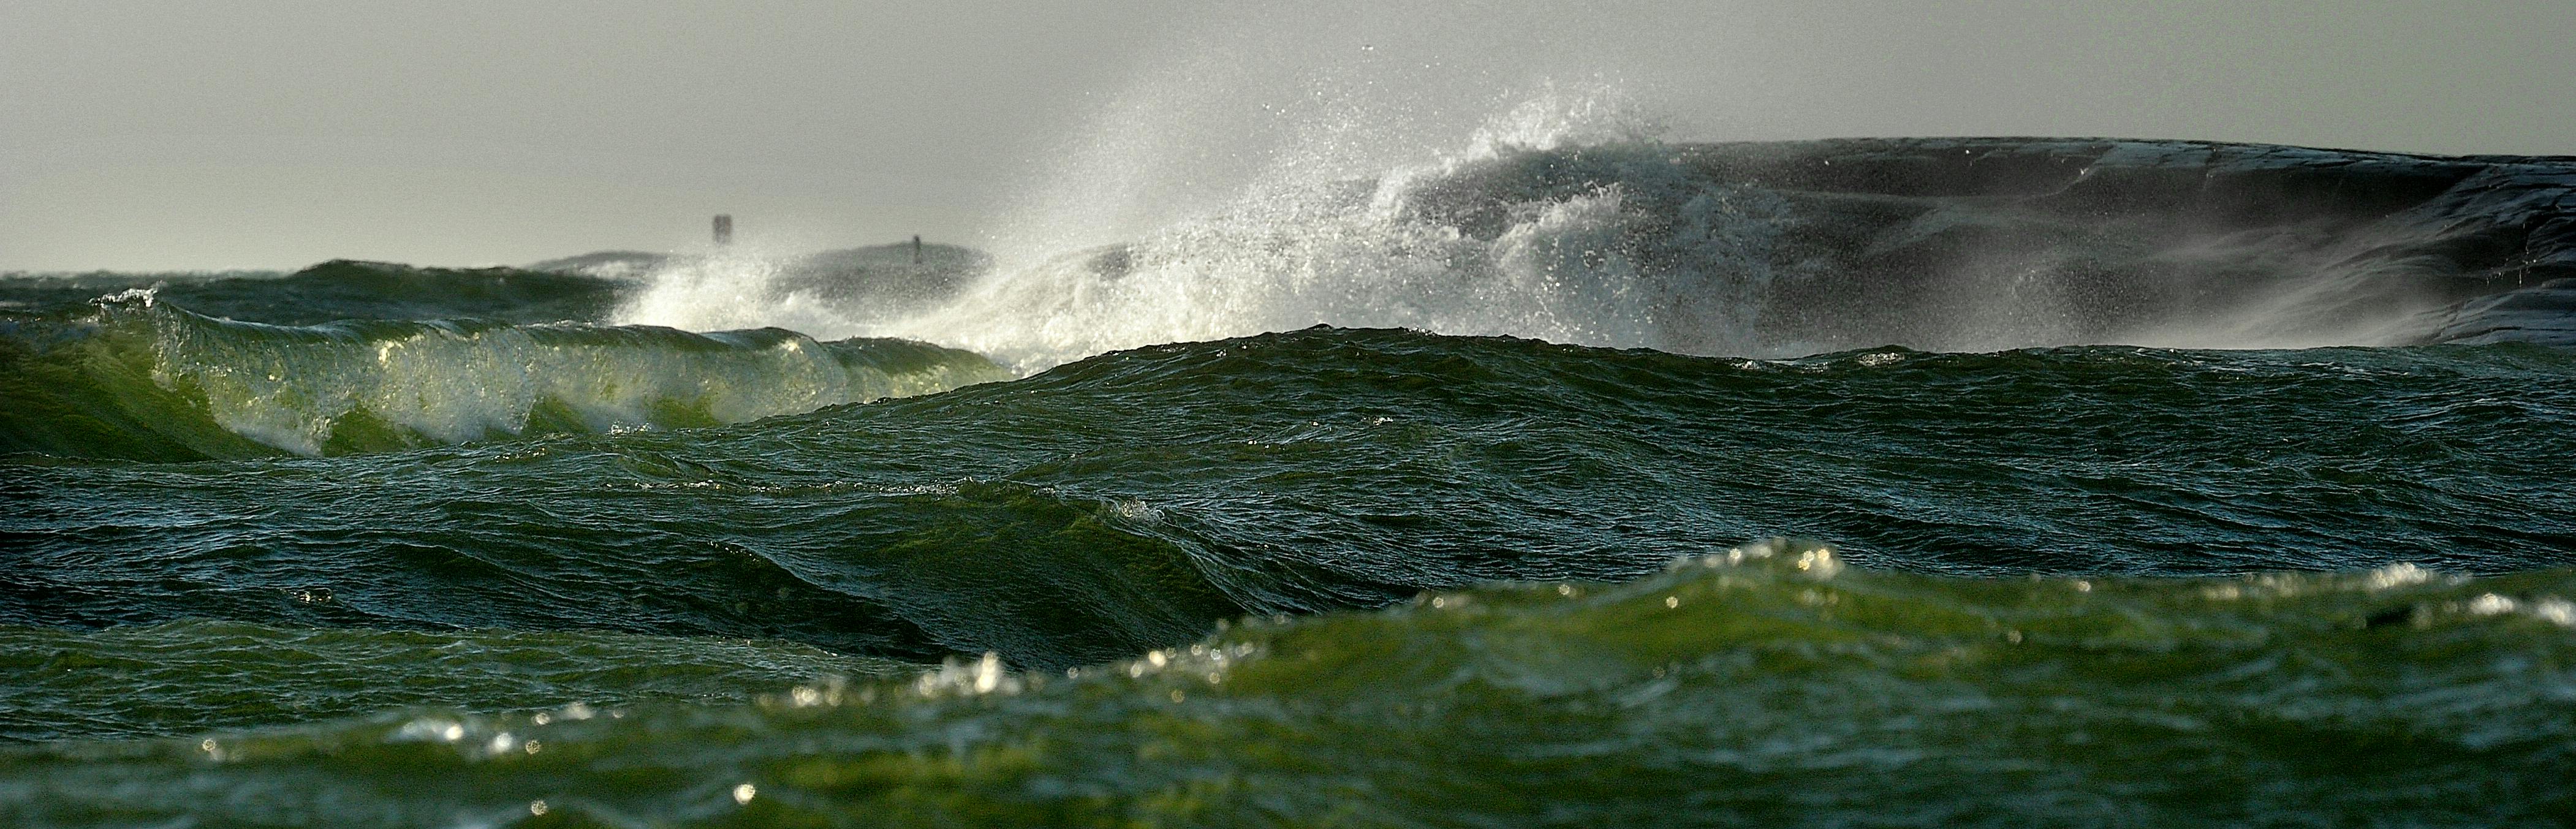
x,y
135,378
1768,683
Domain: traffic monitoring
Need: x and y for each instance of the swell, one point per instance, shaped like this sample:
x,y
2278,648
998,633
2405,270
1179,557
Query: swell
x,y
1130,501
1815,691
134,377
657,545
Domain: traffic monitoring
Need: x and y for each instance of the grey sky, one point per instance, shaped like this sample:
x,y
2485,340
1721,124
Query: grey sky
x,y
254,133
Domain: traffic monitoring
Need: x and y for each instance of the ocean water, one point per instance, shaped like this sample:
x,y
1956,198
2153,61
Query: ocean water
x,y
1361,504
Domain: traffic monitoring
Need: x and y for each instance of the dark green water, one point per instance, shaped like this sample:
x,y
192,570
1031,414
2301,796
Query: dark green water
x,y
443,577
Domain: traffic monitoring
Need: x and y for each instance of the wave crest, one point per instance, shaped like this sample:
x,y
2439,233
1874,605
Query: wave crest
x,y
132,377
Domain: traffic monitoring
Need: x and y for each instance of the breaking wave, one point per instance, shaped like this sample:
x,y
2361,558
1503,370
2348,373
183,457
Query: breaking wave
x,y
135,377
1556,221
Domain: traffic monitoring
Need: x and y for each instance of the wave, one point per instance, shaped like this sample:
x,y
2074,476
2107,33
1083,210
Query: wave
x,y
1559,221
1764,683
136,377
193,676
829,291
1797,248
1130,501
1552,224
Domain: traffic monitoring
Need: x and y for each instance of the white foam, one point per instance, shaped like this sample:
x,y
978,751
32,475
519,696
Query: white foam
x,y
731,290
1628,255
291,388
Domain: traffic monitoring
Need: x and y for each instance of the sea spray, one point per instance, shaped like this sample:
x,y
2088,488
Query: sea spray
x,y
733,289
1563,219
828,294
1617,245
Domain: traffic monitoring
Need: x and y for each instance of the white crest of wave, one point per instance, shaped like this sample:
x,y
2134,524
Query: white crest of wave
x,y
731,289
1561,262
1614,244
442,382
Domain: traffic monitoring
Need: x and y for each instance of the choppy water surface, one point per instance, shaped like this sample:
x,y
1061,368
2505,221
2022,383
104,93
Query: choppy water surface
x,y
454,549
2062,588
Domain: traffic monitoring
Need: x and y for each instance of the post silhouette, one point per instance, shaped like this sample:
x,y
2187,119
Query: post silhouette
x,y
724,229
916,248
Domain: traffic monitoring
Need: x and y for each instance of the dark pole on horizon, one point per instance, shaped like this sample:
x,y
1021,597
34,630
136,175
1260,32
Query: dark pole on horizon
x,y
916,248
724,229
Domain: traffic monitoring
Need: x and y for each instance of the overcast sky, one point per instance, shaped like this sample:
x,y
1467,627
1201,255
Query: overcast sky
x,y
249,133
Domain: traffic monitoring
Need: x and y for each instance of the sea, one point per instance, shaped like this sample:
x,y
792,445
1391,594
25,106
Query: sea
x,y
1547,504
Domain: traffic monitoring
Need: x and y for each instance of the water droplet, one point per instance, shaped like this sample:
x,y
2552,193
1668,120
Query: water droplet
x,y
988,673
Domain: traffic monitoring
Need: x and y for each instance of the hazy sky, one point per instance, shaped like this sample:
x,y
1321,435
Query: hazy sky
x,y
197,134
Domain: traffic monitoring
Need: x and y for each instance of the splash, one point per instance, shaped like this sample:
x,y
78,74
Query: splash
x,y
731,289
1560,116
1565,217
1613,255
